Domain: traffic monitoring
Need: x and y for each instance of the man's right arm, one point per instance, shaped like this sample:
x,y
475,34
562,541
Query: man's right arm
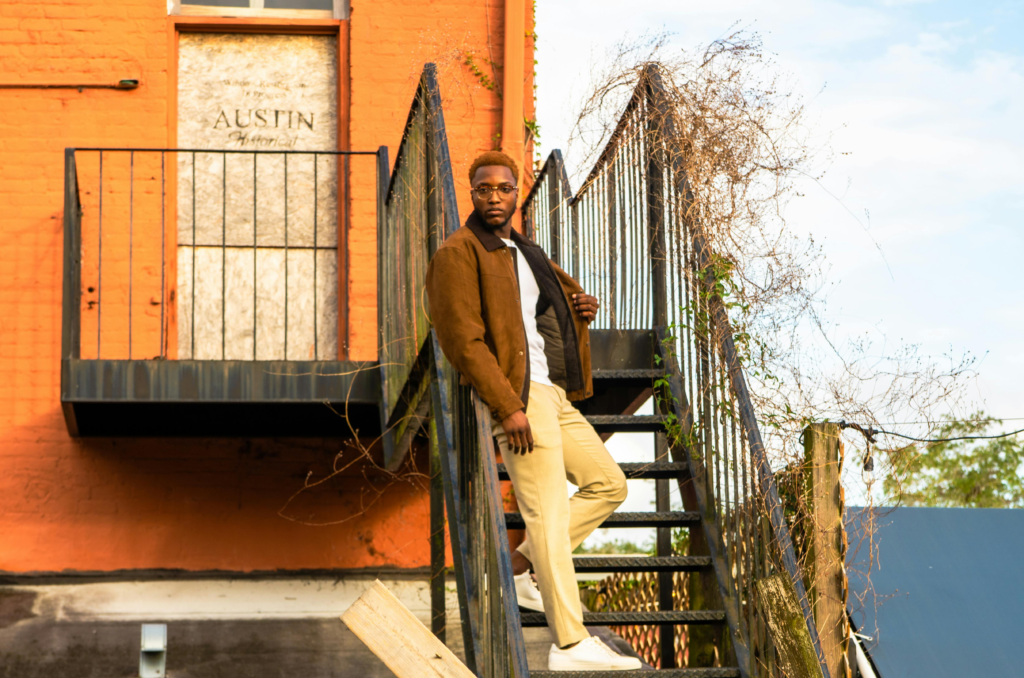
x,y
453,291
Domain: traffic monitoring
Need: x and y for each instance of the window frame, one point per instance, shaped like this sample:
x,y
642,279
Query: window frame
x,y
256,10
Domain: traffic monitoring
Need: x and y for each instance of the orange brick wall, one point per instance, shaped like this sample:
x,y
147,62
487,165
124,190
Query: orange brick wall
x,y
107,504
391,40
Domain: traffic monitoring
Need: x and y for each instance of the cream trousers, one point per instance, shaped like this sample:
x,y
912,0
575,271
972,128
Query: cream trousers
x,y
565,447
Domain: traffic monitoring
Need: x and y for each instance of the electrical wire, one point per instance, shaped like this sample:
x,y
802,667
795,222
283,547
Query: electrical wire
x,y
949,440
870,433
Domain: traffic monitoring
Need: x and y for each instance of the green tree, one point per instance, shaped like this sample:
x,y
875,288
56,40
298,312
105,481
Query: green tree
x,y
962,473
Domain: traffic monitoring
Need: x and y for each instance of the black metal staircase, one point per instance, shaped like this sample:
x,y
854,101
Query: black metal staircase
x,y
629,237
624,382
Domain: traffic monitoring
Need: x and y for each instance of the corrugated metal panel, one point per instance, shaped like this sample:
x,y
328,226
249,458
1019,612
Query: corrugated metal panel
x,y
943,596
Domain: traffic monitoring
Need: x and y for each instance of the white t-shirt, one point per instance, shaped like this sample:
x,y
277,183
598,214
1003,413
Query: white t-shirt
x,y
529,293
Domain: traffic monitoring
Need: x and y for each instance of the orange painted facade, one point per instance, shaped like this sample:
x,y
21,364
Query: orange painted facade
x,y
102,504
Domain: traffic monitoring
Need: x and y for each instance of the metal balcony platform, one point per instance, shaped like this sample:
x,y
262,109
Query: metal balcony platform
x,y
220,398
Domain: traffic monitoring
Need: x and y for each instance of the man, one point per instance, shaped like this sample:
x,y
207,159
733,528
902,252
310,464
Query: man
x,y
515,326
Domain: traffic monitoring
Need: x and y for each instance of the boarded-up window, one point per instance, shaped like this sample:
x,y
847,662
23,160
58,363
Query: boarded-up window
x,y
257,232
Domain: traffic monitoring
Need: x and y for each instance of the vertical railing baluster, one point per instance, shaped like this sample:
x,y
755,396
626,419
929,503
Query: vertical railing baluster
x,y
286,256
316,280
341,250
625,259
554,213
192,318
163,250
656,220
223,256
611,261
99,282
131,244
255,245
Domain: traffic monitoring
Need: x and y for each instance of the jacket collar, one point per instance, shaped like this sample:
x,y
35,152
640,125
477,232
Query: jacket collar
x,y
488,239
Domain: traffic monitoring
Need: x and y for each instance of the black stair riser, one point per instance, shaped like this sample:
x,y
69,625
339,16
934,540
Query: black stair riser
x,y
667,618
514,521
637,470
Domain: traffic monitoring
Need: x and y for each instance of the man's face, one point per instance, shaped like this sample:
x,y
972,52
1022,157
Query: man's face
x,y
494,206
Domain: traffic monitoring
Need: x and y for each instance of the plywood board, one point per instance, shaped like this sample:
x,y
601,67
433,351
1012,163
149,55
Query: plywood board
x,y
399,639
251,92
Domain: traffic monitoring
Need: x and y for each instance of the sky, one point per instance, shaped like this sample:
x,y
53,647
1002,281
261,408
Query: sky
x,y
920,212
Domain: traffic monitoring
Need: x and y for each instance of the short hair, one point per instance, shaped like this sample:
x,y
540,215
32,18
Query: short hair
x,y
493,158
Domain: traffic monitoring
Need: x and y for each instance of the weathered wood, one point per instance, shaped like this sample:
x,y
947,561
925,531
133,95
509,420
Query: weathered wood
x,y
825,540
399,639
788,628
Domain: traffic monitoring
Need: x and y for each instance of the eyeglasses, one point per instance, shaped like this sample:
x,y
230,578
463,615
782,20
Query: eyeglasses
x,y
486,191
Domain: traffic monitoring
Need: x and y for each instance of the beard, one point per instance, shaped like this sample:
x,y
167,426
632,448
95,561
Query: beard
x,y
495,227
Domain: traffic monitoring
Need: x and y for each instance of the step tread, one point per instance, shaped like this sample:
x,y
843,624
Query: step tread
x,y
628,374
636,470
652,617
626,418
640,563
717,672
627,423
514,521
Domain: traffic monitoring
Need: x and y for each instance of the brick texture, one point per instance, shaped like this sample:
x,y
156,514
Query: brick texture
x,y
107,504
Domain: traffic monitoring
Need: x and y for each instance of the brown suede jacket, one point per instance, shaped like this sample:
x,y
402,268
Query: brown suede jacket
x,y
473,293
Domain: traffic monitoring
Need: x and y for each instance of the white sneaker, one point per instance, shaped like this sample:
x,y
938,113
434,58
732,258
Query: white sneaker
x,y
589,655
527,592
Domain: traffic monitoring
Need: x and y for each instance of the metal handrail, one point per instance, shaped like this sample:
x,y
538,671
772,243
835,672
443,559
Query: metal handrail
x,y
417,210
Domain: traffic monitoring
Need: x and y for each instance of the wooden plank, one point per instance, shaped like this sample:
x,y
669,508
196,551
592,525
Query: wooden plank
x,y
826,543
778,601
399,639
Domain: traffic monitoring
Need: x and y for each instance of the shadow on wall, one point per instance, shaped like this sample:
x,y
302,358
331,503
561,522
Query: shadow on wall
x,y
202,504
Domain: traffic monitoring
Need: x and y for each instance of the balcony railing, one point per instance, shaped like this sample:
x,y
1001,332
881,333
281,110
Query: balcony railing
x,y
208,276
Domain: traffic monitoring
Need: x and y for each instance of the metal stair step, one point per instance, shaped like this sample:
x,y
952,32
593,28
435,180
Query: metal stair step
x,y
627,423
514,521
654,618
652,373
644,378
722,672
641,563
636,470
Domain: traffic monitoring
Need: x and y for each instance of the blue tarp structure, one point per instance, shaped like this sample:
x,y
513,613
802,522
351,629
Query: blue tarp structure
x,y
944,597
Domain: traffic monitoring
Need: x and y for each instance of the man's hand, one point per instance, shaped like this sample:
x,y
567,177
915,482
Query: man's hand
x,y
518,433
586,305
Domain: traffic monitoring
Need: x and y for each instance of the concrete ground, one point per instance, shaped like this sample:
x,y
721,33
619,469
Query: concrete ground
x,y
216,628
